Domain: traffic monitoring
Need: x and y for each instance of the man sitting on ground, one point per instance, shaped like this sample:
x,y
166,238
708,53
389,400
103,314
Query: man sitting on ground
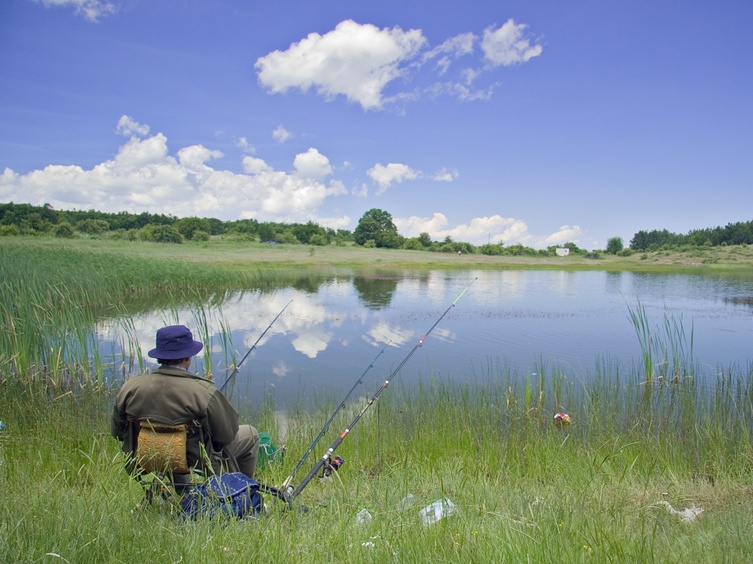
x,y
172,395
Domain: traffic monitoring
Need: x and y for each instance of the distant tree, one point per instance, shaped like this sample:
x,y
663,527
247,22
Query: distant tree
x,y
64,230
344,236
286,236
653,240
573,248
319,239
188,225
614,245
216,227
304,232
376,225
266,232
491,249
413,244
28,218
9,230
161,234
244,226
92,226
425,239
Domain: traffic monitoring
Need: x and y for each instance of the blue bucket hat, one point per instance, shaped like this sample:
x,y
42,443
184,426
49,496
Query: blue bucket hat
x,y
175,342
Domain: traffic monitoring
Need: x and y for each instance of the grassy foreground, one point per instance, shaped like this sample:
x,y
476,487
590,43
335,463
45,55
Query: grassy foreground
x,y
613,487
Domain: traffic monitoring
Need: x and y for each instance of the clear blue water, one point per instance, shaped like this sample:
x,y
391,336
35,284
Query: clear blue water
x,y
507,320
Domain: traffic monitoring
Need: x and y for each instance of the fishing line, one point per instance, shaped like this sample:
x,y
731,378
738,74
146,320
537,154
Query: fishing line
x,y
340,406
325,460
237,366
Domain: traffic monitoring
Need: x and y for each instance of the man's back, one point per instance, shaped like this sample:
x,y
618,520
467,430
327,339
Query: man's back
x,y
174,396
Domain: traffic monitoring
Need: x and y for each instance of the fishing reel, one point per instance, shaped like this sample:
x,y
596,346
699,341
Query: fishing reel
x,y
332,465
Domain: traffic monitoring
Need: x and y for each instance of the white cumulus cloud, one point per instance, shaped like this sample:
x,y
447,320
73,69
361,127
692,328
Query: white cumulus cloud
x,y
145,177
281,134
391,173
312,164
360,61
245,146
354,60
565,234
507,45
445,175
493,229
478,231
131,128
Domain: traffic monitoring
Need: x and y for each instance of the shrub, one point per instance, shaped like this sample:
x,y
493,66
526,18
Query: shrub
x,y
491,250
92,226
9,231
161,234
64,230
199,235
319,240
413,245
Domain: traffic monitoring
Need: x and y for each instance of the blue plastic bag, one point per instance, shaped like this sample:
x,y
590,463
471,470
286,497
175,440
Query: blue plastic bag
x,y
233,494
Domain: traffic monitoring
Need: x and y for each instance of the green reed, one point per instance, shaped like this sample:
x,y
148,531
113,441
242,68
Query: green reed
x,y
52,294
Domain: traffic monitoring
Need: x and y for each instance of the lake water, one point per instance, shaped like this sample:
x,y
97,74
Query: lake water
x,y
332,331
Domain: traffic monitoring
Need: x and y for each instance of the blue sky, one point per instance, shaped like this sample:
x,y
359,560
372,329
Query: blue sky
x,y
533,122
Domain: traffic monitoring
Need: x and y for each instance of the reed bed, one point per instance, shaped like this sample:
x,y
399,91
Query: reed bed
x,y
52,295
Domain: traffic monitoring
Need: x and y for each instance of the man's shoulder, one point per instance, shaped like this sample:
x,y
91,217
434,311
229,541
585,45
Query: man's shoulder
x,y
182,377
179,377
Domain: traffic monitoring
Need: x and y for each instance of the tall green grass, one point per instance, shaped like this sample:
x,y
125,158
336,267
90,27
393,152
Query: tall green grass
x,y
51,295
524,489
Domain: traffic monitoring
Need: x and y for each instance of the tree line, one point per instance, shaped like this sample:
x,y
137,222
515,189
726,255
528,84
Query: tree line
x,y
375,229
740,233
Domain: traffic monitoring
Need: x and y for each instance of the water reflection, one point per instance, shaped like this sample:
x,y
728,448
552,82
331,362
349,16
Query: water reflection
x,y
336,324
375,293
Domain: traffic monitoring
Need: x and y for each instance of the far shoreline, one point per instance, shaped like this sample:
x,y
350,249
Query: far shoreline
x,y
242,255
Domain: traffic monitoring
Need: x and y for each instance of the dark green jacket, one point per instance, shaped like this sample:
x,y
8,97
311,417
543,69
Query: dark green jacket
x,y
174,396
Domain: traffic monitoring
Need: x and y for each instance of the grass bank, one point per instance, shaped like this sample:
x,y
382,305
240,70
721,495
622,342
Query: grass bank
x,y
234,255
629,481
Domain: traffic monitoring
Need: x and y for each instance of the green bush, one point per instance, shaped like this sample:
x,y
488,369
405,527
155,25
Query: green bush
x,y
9,231
64,231
199,235
92,226
161,234
319,240
413,245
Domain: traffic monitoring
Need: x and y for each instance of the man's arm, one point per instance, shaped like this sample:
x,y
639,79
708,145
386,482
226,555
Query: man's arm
x,y
222,420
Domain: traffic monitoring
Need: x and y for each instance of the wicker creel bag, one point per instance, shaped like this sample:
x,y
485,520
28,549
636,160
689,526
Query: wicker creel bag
x,y
162,447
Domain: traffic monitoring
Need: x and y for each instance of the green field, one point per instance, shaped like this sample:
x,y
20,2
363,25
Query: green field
x,y
644,451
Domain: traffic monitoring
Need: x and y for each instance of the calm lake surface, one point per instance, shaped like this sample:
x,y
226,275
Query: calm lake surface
x,y
334,331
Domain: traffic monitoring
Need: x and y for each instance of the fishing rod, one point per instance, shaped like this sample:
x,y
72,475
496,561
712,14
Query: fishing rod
x,y
237,366
325,460
340,406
